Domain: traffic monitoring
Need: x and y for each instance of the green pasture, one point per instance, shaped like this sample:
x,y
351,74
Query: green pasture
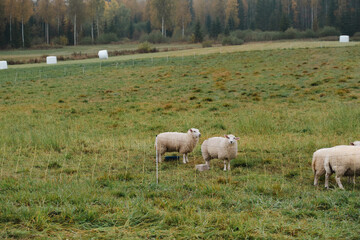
x,y
77,150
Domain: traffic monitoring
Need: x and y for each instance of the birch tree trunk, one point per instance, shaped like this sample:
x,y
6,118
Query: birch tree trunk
x,y
58,26
47,33
22,32
97,27
92,31
162,26
183,28
10,29
75,30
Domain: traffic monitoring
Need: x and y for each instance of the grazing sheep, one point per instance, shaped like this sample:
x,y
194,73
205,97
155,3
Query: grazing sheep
x,y
318,161
183,143
344,161
223,148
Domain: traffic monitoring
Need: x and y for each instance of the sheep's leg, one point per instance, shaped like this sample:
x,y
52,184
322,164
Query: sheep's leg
x,y
184,158
224,165
327,175
351,178
337,178
187,157
228,165
208,163
159,157
316,179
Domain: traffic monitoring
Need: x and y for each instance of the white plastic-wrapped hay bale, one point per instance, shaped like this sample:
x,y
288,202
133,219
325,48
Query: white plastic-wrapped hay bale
x,y
202,167
344,39
3,65
103,54
51,60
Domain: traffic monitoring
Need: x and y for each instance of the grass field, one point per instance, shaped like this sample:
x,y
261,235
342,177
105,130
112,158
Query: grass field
x,y
77,148
83,49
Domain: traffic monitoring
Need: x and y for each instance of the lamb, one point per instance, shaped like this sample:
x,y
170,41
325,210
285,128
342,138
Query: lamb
x,y
183,143
344,161
223,148
318,161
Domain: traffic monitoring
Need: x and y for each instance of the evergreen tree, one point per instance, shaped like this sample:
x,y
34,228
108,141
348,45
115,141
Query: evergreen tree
x,y
216,28
198,36
331,18
208,24
284,22
131,30
148,27
241,15
231,24
227,31
347,26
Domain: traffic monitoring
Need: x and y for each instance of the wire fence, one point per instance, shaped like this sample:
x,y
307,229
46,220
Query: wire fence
x,y
67,70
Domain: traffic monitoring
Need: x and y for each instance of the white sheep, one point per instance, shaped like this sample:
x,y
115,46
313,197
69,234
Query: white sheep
x,y
223,148
318,161
343,161
183,143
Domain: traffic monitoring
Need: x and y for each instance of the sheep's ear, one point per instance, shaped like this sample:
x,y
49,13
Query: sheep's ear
x,y
352,144
237,138
190,130
226,136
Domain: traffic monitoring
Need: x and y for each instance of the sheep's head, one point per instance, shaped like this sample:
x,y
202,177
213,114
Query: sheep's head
x,y
194,132
356,143
232,139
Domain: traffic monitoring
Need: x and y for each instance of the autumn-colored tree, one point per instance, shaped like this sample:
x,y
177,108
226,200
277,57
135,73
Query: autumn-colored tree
x,y
231,14
10,10
76,11
182,15
25,10
2,16
136,9
161,12
295,11
200,10
95,10
217,10
59,9
117,17
46,13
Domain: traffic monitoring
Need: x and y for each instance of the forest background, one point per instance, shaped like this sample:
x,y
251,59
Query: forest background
x,y
43,23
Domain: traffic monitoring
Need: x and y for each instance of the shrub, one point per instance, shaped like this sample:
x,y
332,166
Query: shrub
x,y
146,47
232,41
291,33
107,38
309,34
37,41
329,31
86,41
177,36
62,40
154,37
356,37
206,44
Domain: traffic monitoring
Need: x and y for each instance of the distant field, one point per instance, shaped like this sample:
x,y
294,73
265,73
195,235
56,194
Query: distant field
x,y
189,50
77,144
83,49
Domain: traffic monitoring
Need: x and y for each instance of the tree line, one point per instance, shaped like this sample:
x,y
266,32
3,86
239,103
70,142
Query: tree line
x,y
70,22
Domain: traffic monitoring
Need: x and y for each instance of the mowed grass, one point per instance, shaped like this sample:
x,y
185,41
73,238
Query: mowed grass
x,y
77,151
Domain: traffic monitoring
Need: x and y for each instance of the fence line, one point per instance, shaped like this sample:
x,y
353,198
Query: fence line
x,y
59,71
